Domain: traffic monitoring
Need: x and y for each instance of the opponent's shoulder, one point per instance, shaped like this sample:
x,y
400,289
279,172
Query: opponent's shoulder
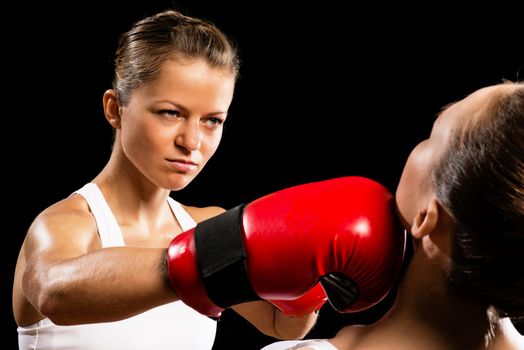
x,y
202,213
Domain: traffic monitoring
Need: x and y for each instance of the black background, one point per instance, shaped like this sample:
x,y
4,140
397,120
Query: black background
x,y
325,91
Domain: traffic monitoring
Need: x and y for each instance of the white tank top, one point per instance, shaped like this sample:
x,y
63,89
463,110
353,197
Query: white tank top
x,y
171,326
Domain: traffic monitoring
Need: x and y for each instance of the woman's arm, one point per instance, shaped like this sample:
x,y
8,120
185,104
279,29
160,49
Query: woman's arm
x,y
68,279
270,321
261,314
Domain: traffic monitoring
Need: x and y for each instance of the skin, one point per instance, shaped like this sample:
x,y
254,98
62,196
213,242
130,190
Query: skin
x,y
164,137
427,314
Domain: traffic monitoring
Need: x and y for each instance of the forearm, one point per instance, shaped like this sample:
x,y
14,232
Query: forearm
x,y
268,320
293,328
105,285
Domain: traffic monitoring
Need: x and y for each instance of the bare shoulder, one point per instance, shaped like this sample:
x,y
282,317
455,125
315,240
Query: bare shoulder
x,y
66,223
65,229
74,205
202,213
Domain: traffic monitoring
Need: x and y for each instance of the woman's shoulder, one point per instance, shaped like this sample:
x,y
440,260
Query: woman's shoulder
x,y
72,211
202,213
73,205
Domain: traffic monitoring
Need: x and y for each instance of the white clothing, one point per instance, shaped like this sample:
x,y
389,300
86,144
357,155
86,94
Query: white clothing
x,y
317,344
170,326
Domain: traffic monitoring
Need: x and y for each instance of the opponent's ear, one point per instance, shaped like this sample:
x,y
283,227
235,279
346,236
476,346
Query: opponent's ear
x,y
426,220
112,108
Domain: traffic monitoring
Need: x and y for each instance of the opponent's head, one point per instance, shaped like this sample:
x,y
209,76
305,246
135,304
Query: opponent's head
x,y
473,166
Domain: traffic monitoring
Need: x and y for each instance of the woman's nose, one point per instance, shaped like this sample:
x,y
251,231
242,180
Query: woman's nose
x,y
189,136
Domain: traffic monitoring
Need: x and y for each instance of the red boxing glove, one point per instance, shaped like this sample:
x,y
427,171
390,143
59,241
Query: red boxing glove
x,y
306,304
342,232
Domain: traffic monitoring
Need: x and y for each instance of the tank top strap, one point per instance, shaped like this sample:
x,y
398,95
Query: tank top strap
x,y
185,221
108,228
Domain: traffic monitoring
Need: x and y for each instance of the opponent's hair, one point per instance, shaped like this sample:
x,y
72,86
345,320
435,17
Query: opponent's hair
x,y
168,35
480,181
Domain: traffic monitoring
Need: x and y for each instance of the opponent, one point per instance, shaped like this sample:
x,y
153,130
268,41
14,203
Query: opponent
x,y
461,195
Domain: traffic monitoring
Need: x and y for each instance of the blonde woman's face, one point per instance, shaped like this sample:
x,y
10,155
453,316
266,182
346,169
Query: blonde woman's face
x,y
173,126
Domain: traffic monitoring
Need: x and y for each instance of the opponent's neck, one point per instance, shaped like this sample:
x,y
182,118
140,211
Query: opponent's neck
x,y
426,299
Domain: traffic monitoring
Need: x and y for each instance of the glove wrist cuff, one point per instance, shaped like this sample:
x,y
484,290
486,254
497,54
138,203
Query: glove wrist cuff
x,y
222,259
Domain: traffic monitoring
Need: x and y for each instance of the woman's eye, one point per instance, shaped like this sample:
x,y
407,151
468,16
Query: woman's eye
x,y
214,121
171,113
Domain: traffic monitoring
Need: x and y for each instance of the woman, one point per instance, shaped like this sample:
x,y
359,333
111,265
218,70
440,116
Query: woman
x,y
461,195
90,273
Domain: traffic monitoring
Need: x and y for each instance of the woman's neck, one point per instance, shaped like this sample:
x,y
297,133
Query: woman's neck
x,y
427,304
128,192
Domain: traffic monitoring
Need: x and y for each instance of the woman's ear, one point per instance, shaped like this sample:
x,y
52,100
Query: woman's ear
x,y
426,220
433,227
112,108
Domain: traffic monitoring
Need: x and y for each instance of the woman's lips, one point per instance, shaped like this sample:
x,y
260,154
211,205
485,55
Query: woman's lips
x,y
182,165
